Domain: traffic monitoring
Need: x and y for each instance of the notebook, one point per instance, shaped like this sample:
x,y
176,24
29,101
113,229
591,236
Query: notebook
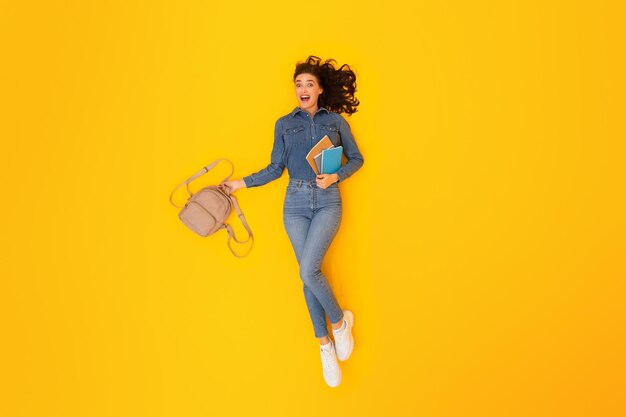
x,y
331,160
323,143
318,162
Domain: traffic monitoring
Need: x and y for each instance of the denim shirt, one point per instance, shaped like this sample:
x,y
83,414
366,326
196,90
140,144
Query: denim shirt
x,y
295,134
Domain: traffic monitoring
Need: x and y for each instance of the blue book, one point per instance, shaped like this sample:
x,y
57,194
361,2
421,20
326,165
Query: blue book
x,y
331,160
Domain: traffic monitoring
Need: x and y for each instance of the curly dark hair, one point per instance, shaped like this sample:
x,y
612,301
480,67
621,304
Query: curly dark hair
x,y
338,84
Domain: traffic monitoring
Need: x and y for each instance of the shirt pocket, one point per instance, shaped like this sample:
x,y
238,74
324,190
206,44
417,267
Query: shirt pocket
x,y
294,135
332,132
295,140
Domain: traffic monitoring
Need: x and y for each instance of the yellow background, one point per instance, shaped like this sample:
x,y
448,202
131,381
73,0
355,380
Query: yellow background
x,y
482,247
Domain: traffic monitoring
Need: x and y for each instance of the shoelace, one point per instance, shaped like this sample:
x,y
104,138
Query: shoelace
x,y
327,357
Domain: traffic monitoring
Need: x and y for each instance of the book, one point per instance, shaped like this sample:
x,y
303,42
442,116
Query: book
x,y
324,143
331,160
318,162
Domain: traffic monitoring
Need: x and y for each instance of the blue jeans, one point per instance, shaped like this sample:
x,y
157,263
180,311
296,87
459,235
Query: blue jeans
x,y
311,216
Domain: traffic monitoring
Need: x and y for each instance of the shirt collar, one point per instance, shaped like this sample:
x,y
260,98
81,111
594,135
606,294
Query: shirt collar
x,y
298,110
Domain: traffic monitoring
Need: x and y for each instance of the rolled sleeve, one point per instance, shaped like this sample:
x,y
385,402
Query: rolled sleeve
x,y
350,149
276,167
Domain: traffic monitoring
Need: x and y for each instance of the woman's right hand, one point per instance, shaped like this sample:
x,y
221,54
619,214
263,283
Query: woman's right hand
x,y
233,185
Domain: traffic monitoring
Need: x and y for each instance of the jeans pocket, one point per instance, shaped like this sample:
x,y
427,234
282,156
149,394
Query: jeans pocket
x,y
330,196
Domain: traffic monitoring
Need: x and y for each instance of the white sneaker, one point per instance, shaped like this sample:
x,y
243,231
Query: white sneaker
x,y
344,342
330,366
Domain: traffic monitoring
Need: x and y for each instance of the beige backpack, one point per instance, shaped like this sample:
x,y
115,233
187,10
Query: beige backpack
x,y
206,211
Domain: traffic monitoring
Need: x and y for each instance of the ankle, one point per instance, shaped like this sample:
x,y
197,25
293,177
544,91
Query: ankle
x,y
324,340
339,325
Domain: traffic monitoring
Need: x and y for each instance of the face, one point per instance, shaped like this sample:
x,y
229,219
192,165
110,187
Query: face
x,y
307,91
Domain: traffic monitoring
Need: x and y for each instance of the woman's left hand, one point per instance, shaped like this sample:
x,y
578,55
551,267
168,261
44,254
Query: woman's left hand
x,y
325,180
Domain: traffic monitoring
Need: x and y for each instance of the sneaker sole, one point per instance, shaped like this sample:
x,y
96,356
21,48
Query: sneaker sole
x,y
333,384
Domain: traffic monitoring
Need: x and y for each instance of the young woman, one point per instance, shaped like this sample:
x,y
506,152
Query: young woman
x,y
312,206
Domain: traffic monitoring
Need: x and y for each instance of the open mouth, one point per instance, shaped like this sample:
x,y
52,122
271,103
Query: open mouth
x,y
305,99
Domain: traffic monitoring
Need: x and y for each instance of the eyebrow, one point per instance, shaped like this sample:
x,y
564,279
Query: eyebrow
x,y
310,79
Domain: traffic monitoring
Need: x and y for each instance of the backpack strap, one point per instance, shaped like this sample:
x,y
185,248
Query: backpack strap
x,y
231,233
199,174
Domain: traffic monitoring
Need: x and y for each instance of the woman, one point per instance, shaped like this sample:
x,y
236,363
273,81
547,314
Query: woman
x,y
312,207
